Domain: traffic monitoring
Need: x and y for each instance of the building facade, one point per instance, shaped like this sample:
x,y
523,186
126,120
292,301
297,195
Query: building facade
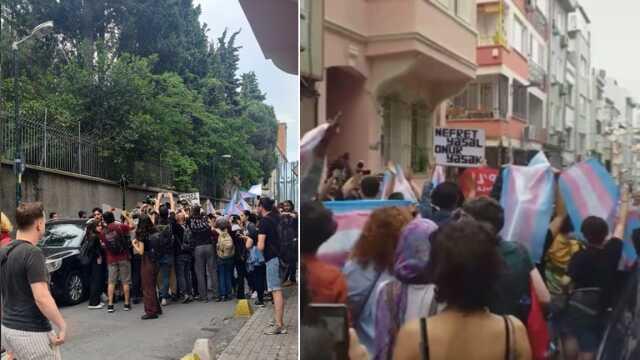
x,y
388,65
508,98
311,61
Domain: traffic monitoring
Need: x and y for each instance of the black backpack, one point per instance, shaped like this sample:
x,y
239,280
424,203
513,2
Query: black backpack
x,y
115,242
188,243
161,242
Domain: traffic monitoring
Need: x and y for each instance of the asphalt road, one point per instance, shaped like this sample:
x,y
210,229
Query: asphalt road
x,y
96,334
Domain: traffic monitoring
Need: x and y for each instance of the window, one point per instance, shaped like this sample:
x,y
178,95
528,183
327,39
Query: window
x,y
519,101
543,6
583,142
419,144
465,8
584,105
486,97
584,67
569,95
519,38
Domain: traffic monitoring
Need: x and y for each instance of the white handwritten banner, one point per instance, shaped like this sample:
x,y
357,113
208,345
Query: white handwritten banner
x,y
192,198
459,147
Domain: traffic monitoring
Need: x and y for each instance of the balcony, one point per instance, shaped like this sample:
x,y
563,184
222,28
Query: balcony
x,y
491,55
419,24
538,75
535,133
538,20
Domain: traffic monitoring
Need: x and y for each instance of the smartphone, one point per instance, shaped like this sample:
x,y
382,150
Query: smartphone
x,y
334,317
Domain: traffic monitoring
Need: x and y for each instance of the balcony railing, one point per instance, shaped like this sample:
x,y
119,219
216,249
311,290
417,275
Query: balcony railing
x,y
537,74
459,113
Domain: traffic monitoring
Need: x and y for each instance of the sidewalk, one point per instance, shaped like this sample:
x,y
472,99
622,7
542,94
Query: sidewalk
x,y
252,344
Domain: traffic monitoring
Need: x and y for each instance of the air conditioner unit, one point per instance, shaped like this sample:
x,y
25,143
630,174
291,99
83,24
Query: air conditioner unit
x,y
562,89
564,41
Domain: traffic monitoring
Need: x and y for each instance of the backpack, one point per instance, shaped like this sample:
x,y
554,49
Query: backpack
x,y
115,242
188,243
225,248
161,242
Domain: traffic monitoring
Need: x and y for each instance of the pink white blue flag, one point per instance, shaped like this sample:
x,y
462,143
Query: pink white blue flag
x,y
629,254
351,217
527,199
438,176
308,144
402,185
236,205
588,189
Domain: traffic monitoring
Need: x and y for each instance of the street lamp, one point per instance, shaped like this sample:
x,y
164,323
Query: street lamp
x,y
38,32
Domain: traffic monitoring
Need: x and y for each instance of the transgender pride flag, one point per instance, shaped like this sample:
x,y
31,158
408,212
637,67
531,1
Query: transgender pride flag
x,y
629,253
351,217
527,200
438,176
588,189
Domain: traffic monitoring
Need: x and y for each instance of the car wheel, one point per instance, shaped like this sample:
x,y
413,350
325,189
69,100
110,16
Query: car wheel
x,y
74,288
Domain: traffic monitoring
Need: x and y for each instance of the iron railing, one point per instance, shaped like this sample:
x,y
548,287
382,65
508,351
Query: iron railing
x,y
57,148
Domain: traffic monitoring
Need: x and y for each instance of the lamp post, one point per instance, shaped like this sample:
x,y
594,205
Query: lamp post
x,y
215,181
37,31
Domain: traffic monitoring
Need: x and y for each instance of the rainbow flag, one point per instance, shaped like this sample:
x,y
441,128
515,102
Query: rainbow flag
x,y
236,205
527,199
351,217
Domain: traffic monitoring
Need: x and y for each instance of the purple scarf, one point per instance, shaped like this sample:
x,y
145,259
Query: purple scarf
x,y
411,260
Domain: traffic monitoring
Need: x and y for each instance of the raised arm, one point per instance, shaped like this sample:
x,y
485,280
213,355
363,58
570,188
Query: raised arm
x,y
561,214
172,203
623,214
156,206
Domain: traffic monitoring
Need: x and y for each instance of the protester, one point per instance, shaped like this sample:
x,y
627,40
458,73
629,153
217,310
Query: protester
x,y
97,214
149,268
240,255
92,251
136,266
438,204
166,258
184,256
225,251
593,275
27,305
5,230
115,242
410,295
465,266
204,252
371,263
269,244
82,214
512,295
256,266
325,282
289,225
53,215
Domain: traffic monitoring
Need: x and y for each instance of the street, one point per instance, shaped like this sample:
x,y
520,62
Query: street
x,y
97,334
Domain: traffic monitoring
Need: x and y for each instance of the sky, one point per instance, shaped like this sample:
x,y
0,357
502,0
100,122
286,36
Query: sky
x,y
281,88
615,43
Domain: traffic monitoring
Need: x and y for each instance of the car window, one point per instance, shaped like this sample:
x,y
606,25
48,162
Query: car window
x,y
62,235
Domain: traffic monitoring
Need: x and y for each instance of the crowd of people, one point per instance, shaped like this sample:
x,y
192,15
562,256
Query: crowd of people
x,y
157,253
435,279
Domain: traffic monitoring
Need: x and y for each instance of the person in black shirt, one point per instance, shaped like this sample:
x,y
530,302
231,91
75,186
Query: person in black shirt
x,y
27,304
269,244
595,267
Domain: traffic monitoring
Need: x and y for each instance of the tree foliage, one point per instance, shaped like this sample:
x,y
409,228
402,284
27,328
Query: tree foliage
x,y
140,77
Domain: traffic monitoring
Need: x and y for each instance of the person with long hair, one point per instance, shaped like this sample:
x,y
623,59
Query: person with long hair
x,y
5,230
149,268
92,251
204,252
371,264
289,219
465,266
411,295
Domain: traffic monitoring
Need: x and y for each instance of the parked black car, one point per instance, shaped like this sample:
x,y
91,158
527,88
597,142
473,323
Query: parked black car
x,y
61,246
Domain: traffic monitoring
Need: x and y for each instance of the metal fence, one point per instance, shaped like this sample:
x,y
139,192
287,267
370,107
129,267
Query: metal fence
x,y
56,148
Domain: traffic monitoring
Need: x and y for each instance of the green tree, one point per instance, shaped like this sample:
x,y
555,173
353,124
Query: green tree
x,y
249,88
